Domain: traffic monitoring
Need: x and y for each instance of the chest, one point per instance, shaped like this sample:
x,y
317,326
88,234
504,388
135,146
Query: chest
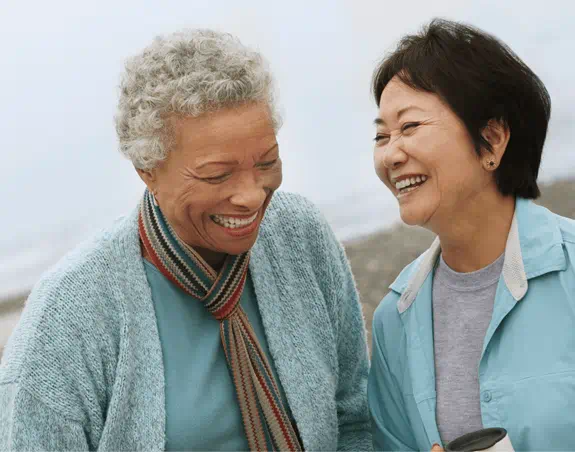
x,y
202,412
526,372
298,330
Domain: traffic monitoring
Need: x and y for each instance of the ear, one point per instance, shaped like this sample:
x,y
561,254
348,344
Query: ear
x,y
148,177
497,134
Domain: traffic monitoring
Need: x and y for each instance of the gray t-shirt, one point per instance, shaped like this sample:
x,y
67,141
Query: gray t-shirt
x,y
462,308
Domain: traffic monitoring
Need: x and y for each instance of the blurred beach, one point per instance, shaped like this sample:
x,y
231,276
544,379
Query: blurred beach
x,y
376,258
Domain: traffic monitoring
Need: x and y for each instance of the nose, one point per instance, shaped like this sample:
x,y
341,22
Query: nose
x,y
393,154
249,194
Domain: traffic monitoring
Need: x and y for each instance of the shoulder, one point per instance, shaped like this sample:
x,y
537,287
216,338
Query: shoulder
x,y
85,264
292,208
303,249
567,228
71,314
295,223
91,269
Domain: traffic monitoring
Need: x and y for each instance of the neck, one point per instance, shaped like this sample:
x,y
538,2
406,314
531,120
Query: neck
x,y
212,258
477,236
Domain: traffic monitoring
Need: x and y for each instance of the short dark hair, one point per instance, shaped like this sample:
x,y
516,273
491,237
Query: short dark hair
x,y
480,78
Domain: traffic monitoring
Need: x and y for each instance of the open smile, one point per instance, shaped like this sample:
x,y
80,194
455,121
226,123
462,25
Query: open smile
x,y
237,226
408,185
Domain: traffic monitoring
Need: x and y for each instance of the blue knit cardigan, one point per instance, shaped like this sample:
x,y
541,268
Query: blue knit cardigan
x,y
83,368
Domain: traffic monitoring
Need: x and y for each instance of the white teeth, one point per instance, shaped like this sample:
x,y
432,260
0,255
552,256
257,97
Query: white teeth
x,y
407,190
234,223
410,181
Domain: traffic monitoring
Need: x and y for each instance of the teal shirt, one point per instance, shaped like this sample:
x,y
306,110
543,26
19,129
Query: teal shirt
x,y
526,371
202,411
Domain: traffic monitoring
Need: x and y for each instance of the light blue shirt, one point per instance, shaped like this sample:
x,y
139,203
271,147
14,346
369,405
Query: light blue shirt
x,y
527,366
202,411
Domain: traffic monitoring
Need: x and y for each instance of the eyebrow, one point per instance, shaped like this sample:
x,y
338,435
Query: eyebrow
x,y
380,122
231,162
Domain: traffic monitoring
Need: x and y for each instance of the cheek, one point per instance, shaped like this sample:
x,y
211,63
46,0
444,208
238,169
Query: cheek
x,y
175,197
272,179
455,185
196,200
380,169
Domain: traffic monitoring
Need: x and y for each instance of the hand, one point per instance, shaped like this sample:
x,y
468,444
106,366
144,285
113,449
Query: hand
x,y
436,448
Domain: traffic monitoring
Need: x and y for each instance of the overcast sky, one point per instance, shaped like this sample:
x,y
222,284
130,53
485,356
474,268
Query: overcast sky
x,y
61,62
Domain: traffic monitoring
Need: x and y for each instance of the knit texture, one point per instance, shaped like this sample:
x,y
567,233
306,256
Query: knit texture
x,y
83,369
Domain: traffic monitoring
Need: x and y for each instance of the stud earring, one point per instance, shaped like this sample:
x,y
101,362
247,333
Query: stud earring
x,y
491,163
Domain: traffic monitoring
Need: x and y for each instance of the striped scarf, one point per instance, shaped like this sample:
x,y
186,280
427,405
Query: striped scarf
x,y
264,416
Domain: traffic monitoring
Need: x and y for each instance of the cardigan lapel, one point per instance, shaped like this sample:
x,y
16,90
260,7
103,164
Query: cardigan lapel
x,y
140,357
286,342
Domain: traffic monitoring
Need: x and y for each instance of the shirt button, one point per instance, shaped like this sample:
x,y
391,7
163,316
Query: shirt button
x,y
486,396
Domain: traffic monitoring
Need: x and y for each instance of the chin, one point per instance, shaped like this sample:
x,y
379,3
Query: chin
x,y
238,248
236,251
412,217
411,221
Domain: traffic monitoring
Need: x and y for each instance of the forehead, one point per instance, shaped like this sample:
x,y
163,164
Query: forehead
x,y
249,123
397,96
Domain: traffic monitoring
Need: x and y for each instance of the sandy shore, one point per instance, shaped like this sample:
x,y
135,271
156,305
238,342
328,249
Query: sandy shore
x,y
376,260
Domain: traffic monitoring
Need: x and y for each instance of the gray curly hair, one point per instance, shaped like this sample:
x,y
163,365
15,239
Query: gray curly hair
x,y
185,74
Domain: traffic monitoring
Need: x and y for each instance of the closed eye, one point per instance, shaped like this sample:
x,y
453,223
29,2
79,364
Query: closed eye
x,y
267,165
409,126
381,138
216,179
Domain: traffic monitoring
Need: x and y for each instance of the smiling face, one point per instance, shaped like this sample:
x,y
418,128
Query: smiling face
x,y
420,139
218,179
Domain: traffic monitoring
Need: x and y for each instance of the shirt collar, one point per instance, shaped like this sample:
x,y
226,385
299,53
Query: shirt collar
x,y
534,247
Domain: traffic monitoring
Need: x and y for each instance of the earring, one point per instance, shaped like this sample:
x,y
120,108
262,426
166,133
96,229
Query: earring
x,y
491,164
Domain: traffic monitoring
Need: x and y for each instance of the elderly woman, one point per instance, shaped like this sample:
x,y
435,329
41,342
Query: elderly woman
x,y
479,331
175,329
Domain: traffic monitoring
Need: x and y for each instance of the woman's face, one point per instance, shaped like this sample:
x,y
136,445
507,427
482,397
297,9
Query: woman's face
x,y
420,139
218,179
